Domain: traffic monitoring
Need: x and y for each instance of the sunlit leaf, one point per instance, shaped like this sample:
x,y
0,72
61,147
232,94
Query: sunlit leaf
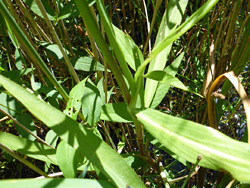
x,y
189,140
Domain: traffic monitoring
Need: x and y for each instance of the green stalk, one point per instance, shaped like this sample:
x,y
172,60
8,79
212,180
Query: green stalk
x,y
57,40
90,22
34,24
28,47
114,44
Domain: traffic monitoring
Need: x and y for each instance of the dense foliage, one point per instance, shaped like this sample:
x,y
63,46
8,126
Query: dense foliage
x,y
124,93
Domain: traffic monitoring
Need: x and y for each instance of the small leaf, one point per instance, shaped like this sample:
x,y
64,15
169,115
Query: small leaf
x,y
102,93
53,50
163,88
67,159
91,103
51,138
75,100
87,64
132,53
168,79
116,112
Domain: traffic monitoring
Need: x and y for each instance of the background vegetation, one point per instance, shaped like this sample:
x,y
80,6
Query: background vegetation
x,y
124,93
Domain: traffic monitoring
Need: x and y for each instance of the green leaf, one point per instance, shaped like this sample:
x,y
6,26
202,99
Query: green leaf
x,y
171,18
189,140
30,148
51,138
55,182
102,92
67,159
34,7
79,137
163,88
27,121
91,103
116,112
69,10
15,75
53,50
10,105
75,100
132,53
168,79
87,64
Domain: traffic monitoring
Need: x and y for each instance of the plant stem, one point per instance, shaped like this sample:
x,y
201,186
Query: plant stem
x,y
57,40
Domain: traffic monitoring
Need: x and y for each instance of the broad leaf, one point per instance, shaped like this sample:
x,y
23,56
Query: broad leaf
x,y
168,79
189,140
116,112
67,159
87,143
171,18
30,148
55,182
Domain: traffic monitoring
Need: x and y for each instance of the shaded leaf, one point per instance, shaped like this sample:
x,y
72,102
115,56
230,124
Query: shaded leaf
x,y
116,112
87,64
53,50
10,105
27,121
51,138
69,10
